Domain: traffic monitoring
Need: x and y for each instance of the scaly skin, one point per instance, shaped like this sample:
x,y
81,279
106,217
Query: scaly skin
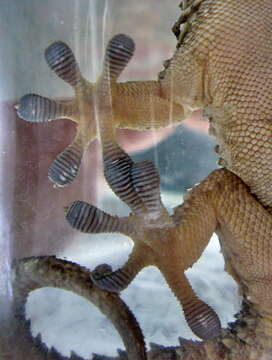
x,y
222,65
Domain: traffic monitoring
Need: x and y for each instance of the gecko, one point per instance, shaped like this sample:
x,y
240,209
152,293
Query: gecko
x,y
222,65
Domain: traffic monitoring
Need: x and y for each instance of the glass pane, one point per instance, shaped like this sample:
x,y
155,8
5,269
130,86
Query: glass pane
x,y
33,208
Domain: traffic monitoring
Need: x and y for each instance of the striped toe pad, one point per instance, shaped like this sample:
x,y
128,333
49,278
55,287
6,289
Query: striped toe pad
x,y
118,53
146,182
105,279
202,319
36,108
89,219
61,60
117,171
65,167
137,184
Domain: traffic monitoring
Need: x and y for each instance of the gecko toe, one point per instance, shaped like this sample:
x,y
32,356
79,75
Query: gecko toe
x,y
146,182
89,219
115,281
65,167
119,51
36,108
202,319
62,61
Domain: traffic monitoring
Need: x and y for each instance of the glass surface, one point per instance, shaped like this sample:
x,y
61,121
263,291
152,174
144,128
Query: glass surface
x,y
32,209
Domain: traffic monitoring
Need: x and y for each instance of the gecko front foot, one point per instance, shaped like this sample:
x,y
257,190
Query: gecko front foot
x,y
82,109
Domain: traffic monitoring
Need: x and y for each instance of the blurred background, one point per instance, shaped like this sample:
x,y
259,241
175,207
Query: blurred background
x,y
32,216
